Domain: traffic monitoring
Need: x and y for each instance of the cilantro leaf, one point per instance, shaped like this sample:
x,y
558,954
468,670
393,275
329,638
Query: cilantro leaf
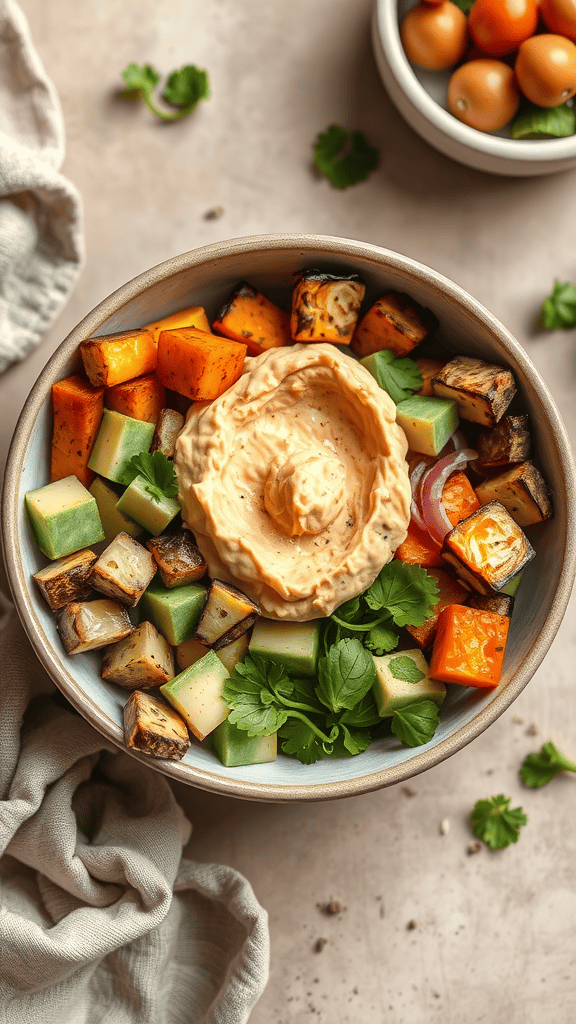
x,y
544,122
416,723
464,5
399,377
354,741
299,740
253,691
496,823
184,88
539,769
363,715
158,472
406,669
380,639
559,309
344,157
142,78
405,591
345,675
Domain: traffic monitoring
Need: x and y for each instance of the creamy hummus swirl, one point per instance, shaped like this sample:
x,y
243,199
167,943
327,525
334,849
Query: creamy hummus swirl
x,y
294,481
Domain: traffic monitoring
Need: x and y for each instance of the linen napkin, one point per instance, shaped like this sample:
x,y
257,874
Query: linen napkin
x,y
40,216
101,920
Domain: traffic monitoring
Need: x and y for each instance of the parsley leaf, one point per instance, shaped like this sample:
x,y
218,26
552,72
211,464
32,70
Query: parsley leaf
x,y
405,591
559,309
363,715
299,740
158,472
539,769
345,675
252,693
344,157
496,823
184,88
416,723
399,377
405,669
380,639
544,122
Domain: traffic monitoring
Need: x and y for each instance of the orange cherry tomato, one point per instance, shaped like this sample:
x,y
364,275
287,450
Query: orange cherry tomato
x,y
546,69
560,16
434,36
499,26
484,94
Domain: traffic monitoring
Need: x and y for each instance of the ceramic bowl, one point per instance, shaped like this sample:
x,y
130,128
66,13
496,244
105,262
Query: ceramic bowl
x,y
204,277
420,97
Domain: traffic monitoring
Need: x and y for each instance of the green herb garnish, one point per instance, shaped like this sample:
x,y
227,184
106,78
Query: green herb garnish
x,y
399,377
496,823
184,88
405,592
559,309
405,669
158,473
345,675
539,769
416,723
544,123
464,5
344,157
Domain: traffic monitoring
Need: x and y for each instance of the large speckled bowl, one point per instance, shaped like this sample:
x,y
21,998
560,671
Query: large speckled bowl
x,y
204,277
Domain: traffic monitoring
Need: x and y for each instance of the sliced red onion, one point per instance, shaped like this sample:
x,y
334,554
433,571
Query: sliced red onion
x,y
457,441
415,478
432,485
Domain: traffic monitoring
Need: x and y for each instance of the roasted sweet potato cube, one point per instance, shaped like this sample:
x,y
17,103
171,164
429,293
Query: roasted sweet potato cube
x,y
118,357
249,317
419,548
325,307
226,615
458,498
500,604
169,425
87,625
469,647
522,490
488,548
482,391
507,442
197,364
142,398
450,591
123,570
394,322
77,413
154,727
142,660
428,367
192,316
178,558
66,579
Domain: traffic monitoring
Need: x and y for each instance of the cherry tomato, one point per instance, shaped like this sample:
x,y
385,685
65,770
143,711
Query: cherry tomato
x,y
484,94
434,36
560,16
499,26
546,69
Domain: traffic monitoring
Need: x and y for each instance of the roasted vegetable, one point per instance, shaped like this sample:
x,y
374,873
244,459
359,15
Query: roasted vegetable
x,y
458,498
500,604
522,490
142,660
66,579
428,368
508,442
250,318
469,647
191,651
178,558
395,322
77,412
226,615
197,695
450,591
152,726
118,357
419,548
481,390
113,520
169,425
142,399
123,570
119,439
192,316
325,307
488,548
198,365
86,625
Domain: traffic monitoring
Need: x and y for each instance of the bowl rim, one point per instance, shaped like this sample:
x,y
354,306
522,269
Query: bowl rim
x,y
43,646
538,150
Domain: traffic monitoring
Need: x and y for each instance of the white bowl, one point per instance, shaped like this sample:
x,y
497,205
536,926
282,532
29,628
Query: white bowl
x,y
420,97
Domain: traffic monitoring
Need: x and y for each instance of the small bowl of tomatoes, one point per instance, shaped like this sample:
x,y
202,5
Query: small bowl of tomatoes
x,y
490,83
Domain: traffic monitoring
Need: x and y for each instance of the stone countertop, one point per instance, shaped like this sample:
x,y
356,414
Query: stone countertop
x,y
425,931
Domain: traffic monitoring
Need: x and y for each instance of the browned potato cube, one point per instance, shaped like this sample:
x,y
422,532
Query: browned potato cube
x,y
429,368
226,615
142,660
86,625
522,490
508,442
325,307
169,425
500,604
178,558
482,391
154,727
487,548
66,579
123,570
394,322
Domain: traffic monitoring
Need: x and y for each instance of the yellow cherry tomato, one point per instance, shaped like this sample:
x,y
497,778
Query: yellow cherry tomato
x,y
484,94
560,16
546,69
434,36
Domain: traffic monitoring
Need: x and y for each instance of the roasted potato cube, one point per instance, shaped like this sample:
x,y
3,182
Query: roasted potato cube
x,y
522,490
488,548
450,591
118,357
505,443
86,625
226,615
66,579
428,367
394,322
500,604
169,425
249,317
325,307
142,660
154,727
178,558
481,390
123,570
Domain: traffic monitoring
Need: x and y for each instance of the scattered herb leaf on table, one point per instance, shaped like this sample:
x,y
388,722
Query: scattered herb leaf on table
x,y
559,308
184,88
496,823
539,769
344,157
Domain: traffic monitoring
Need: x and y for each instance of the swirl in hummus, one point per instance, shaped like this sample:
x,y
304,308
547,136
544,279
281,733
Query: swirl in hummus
x,y
294,481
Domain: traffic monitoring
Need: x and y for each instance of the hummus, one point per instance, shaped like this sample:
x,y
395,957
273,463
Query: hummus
x,y
294,481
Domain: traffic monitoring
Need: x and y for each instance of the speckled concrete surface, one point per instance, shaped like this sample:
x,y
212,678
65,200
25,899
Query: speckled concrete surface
x,y
495,939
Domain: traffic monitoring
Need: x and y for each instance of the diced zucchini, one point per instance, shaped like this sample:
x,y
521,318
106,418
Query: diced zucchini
x,y
191,651
124,570
174,612
482,391
511,587
394,322
64,517
427,422
142,660
402,678
87,625
233,653
169,425
152,726
66,579
178,558
507,442
196,694
153,513
522,490
113,521
500,604
235,747
325,307
295,645
488,548
119,439
227,614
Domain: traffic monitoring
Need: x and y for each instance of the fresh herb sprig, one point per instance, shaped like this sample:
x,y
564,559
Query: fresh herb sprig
x,y
184,88
559,308
496,823
544,123
399,377
541,768
344,157
158,472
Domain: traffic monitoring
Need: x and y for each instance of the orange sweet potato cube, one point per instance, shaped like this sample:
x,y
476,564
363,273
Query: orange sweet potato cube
x,y
469,647
419,548
459,498
450,591
118,357
428,367
394,322
142,398
192,316
198,365
77,412
251,319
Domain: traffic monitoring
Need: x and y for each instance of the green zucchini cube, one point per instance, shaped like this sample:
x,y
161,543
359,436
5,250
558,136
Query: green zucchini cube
x,y
175,613
295,645
401,679
64,517
119,439
235,747
427,422
113,521
151,512
196,694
